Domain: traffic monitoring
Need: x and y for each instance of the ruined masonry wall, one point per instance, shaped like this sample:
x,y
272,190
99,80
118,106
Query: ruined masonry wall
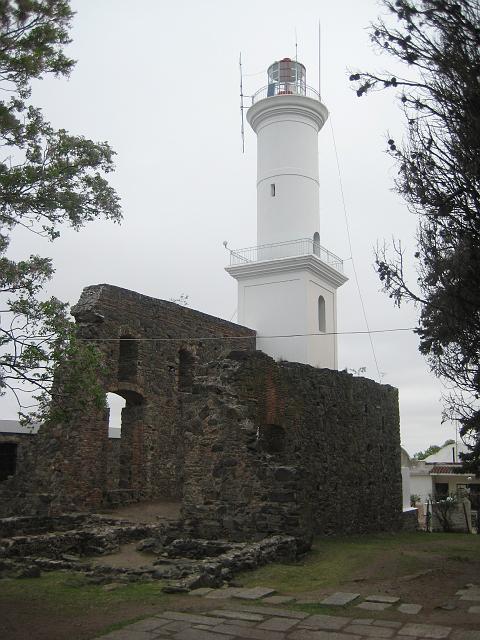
x,y
287,447
73,466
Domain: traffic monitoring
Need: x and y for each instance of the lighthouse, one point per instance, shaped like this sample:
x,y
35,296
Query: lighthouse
x,y
287,282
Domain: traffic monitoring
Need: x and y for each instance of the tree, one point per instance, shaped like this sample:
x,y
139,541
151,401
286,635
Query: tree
x,y
48,178
438,44
433,448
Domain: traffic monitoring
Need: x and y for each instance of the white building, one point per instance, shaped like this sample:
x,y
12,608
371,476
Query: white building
x,y
441,474
287,283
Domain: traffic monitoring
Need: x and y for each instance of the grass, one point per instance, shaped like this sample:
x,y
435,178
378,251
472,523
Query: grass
x,y
336,560
72,594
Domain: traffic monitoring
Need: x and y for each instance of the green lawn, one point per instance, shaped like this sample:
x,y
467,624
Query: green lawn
x,y
336,560
73,594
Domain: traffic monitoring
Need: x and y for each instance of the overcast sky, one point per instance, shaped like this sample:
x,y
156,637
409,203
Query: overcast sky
x,y
159,81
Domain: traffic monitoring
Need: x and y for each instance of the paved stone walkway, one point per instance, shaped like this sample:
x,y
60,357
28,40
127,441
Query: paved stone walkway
x,y
271,623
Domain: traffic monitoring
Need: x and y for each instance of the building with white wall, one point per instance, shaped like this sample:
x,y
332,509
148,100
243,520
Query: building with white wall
x,y
287,283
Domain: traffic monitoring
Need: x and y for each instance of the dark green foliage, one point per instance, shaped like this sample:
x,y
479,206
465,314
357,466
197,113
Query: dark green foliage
x,y
48,178
438,42
433,448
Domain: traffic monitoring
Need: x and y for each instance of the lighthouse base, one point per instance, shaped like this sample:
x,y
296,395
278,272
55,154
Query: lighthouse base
x,y
291,303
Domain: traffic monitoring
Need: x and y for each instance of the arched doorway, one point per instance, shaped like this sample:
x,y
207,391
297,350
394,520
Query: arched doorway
x,y
126,440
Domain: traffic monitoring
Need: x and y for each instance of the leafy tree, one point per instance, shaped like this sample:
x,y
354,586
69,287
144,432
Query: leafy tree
x,y
48,178
438,44
433,448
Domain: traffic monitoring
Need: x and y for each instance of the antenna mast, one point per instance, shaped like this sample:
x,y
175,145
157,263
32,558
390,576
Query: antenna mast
x,y
319,61
242,127
296,46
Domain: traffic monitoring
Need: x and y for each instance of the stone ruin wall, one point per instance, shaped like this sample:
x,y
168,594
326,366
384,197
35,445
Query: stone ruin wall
x,y
288,447
251,446
73,466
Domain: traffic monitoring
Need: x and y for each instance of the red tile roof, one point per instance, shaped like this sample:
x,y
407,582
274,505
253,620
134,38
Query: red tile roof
x,y
443,469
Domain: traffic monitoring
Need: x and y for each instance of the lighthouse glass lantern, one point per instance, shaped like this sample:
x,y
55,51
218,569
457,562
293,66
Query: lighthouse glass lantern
x,y
286,77
287,283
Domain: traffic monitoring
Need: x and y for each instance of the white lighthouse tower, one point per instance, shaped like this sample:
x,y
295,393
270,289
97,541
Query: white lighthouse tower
x,y
287,283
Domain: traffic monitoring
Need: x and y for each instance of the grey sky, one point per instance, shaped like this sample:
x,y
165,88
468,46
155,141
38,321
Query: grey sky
x,y
159,81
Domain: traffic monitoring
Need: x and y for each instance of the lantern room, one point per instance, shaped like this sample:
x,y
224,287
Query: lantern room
x,y
286,77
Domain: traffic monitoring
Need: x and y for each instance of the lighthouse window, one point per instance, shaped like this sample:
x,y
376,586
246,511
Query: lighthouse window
x,y
321,314
272,190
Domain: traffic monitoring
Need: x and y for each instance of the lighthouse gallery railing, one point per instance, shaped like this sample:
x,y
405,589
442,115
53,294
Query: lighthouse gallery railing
x,y
301,247
285,89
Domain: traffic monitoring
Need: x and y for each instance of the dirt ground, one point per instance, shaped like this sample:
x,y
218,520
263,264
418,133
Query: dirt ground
x,y
154,511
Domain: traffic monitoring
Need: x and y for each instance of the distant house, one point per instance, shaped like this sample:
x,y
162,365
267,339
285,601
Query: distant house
x,y
440,474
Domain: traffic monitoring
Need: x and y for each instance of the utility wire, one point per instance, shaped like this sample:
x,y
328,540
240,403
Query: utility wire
x,y
351,252
288,335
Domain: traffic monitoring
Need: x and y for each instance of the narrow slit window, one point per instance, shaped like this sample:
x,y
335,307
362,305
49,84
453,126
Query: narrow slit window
x,y
321,314
272,189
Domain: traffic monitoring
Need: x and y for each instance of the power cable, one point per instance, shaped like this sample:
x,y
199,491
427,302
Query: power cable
x,y
351,252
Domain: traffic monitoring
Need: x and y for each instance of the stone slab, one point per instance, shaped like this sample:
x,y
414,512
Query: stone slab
x,y
436,632
272,611
382,598
256,593
409,608
373,606
237,615
176,626
149,624
278,624
200,592
474,609
221,594
471,597
126,634
278,599
326,623
198,634
339,599
309,634
466,634
189,617
370,631
245,632
392,624
363,621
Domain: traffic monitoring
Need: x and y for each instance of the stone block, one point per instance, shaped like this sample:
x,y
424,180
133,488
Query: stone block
x,y
466,634
189,617
278,599
471,596
199,634
221,594
409,608
278,624
340,599
474,609
245,632
237,615
325,622
370,631
382,598
392,624
255,593
202,591
308,634
436,632
273,611
374,606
